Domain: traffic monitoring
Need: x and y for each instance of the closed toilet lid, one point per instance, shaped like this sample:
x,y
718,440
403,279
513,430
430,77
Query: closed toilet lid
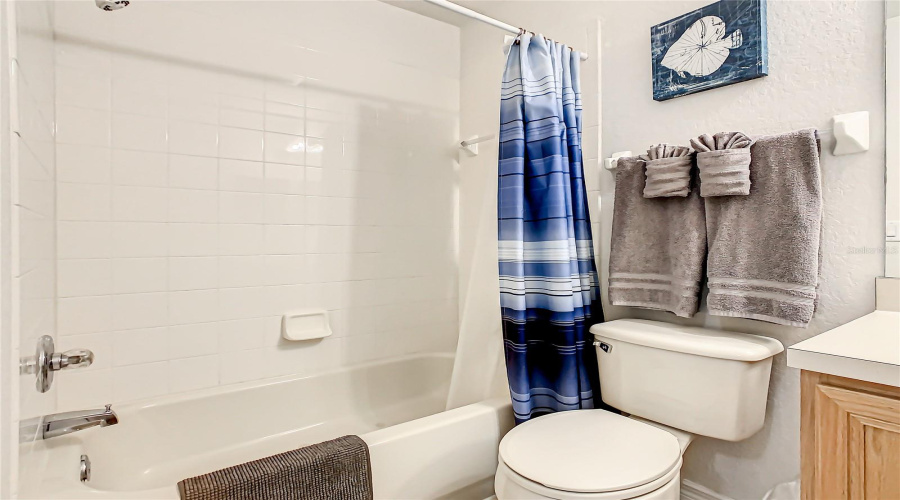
x,y
589,451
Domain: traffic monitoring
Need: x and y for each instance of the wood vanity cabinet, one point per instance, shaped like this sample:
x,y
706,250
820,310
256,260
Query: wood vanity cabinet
x,y
849,439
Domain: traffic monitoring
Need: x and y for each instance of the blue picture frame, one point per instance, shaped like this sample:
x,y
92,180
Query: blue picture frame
x,y
716,45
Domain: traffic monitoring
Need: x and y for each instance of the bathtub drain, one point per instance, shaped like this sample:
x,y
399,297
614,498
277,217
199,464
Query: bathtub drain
x,y
85,469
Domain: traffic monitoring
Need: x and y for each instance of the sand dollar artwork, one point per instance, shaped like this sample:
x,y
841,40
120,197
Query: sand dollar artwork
x,y
702,48
713,46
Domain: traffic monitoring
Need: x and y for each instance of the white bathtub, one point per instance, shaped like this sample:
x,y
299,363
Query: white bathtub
x,y
417,450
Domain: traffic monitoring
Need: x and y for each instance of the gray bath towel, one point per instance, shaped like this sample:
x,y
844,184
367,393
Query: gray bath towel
x,y
338,468
724,164
658,245
764,248
668,171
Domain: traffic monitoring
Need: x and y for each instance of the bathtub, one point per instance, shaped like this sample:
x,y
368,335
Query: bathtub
x,y
417,449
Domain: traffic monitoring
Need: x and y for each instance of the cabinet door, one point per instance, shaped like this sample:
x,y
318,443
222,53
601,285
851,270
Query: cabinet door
x,y
854,449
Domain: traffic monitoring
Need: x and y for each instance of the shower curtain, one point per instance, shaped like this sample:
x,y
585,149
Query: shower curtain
x,y
549,291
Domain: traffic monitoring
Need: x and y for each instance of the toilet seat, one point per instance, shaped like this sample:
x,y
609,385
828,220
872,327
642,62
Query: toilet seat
x,y
589,454
670,481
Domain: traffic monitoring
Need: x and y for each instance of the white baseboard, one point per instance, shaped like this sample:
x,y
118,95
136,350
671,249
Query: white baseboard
x,y
693,491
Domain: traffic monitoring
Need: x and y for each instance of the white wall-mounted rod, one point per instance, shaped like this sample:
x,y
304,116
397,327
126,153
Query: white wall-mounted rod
x,y
470,145
445,4
477,139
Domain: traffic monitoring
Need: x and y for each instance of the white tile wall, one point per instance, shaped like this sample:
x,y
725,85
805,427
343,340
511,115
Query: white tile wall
x,y
257,158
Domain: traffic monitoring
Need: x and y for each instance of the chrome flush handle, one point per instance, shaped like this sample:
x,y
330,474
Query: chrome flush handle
x,y
603,346
45,361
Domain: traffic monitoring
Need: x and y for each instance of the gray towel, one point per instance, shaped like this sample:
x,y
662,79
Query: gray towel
x,y
668,171
724,164
338,468
658,246
764,248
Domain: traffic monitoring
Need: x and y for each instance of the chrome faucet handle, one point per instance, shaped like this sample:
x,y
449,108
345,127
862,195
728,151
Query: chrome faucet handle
x,y
45,361
75,358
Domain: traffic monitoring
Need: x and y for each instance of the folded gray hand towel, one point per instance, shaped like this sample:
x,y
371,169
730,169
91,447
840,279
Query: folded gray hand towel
x,y
668,171
724,164
658,245
764,248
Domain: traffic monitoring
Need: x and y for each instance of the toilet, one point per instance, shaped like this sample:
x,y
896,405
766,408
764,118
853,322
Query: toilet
x,y
673,382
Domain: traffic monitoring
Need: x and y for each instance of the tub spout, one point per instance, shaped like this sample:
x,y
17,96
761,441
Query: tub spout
x,y
66,423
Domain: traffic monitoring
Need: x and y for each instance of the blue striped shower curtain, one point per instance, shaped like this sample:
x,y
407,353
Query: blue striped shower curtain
x,y
549,291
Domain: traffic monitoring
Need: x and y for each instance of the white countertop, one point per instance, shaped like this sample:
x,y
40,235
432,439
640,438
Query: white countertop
x,y
867,349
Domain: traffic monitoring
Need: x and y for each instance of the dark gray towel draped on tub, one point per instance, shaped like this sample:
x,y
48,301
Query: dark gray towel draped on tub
x,y
339,468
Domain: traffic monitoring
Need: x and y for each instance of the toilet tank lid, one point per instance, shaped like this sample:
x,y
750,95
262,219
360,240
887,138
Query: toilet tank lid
x,y
689,339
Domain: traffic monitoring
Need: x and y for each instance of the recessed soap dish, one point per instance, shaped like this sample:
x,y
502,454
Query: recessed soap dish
x,y
305,324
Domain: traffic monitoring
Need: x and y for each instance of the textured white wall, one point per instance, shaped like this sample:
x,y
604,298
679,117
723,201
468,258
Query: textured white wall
x,y
221,163
8,377
892,137
825,58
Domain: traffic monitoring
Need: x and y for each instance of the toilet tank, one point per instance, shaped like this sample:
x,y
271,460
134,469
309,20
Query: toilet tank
x,y
706,382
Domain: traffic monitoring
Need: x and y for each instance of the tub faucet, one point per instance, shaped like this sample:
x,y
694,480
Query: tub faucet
x,y
72,421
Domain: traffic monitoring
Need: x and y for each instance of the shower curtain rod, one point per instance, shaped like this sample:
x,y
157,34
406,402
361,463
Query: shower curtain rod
x,y
445,4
